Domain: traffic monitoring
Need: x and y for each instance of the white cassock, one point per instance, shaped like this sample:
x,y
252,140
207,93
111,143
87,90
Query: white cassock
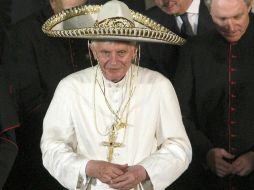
x,y
73,131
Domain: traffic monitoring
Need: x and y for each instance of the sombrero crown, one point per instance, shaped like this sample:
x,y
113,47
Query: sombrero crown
x,y
111,21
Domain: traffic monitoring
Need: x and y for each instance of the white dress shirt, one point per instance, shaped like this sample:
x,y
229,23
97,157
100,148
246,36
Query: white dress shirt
x,y
192,13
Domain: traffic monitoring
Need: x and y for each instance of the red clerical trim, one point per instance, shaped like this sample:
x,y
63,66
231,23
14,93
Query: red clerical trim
x,y
233,56
34,109
9,128
233,69
10,141
229,95
232,109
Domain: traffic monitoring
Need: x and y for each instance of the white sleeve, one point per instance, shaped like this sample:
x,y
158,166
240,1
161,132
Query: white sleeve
x,y
58,142
174,150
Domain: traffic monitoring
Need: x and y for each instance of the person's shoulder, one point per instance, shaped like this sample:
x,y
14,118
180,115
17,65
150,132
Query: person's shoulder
x,y
152,10
251,14
83,76
151,76
203,39
77,82
155,80
205,22
155,13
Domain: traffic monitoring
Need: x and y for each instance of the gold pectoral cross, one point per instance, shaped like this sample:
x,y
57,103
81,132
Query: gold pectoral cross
x,y
111,144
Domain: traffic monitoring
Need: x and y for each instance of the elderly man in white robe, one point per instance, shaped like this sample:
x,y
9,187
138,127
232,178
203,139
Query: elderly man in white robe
x,y
114,125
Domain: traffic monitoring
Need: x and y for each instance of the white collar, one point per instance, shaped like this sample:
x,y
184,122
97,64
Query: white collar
x,y
194,7
110,84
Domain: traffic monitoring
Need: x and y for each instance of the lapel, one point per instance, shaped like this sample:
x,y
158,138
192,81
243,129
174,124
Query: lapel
x,y
205,22
168,21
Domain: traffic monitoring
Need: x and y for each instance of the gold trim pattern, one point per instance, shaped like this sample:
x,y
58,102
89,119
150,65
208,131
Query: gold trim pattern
x,y
154,31
116,22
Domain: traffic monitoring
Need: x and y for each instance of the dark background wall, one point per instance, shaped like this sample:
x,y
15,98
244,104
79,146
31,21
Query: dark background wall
x,y
22,8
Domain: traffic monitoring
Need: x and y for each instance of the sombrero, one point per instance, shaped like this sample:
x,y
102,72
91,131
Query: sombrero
x,y
111,21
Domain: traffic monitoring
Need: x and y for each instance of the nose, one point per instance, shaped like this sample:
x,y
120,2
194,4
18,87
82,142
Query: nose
x,y
113,58
230,25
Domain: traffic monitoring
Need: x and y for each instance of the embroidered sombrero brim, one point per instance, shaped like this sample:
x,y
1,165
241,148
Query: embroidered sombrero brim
x,y
80,22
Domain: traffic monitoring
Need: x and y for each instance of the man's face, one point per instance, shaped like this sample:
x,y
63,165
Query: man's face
x,y
231,18
59,5
114,58
173,7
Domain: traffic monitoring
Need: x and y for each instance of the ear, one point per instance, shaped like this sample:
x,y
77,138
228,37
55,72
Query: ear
x,y
135,51
250,7
93,49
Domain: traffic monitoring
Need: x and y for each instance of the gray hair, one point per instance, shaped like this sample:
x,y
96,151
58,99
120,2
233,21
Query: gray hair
x,y
209,2
94,42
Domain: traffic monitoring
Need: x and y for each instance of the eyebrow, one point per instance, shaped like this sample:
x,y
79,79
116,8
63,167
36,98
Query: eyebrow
x,y
234,16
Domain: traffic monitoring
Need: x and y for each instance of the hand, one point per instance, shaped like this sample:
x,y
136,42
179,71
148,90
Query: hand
x,y
105,171
130,179
215,160
244,164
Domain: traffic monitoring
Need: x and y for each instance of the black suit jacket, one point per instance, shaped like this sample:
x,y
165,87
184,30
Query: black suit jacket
x,y
164,57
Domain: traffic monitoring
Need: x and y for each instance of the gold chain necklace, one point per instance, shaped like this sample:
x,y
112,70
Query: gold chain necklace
x,y
118,118
119,124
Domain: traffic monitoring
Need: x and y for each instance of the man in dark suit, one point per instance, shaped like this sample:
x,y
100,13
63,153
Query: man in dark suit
x,y
215,87
162,57
35,64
